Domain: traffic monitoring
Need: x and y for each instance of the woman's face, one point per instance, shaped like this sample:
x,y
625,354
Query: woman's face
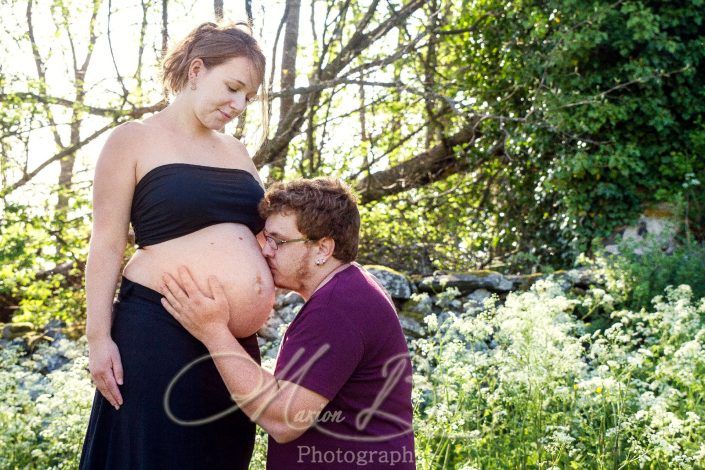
x,y
222,92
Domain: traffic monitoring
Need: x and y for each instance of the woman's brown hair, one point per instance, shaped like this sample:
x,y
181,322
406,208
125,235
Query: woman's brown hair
x,y
215,44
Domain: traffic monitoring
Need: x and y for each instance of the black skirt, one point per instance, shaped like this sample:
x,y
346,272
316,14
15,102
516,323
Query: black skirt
x,y
175,407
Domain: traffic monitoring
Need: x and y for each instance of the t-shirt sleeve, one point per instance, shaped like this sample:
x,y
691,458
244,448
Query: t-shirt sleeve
x,y
321,351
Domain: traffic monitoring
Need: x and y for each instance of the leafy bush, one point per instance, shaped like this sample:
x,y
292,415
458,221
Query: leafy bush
x,y
638,274
33,243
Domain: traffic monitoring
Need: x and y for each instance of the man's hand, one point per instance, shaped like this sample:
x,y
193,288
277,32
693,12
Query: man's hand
x,y
205,317
284,409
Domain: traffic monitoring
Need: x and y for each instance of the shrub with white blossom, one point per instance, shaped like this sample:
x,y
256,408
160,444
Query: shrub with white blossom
x,y
526,383
43,416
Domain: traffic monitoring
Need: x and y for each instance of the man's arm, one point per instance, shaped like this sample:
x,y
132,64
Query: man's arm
x,y
284,409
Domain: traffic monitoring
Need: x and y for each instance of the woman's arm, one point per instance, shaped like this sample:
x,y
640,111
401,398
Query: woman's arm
x,y
113,187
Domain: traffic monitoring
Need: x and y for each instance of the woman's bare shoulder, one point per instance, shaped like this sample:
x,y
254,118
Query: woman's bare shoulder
x,y
125,142
240,153
131,130
234,144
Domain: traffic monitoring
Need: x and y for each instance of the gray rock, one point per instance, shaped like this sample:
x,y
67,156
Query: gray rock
x,y
411,327
657,225
55,329
393,281
466,282
612,249
479,295
581,278
270,330
20,343
523,282
16,330
419,307
285,298
288,313
475,301
54,362
562,279
279,318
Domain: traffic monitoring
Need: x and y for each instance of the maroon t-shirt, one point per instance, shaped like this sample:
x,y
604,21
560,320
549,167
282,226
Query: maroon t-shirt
x,y
347,345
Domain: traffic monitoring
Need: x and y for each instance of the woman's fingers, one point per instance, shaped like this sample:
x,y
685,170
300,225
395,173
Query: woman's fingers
x,y
106,370
113,389
108,390
117,369
103,389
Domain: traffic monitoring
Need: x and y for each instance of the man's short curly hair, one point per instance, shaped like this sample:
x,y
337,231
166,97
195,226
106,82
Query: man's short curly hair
x,y
324,207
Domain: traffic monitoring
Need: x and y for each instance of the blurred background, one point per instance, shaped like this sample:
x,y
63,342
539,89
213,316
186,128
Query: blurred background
x,y
518,136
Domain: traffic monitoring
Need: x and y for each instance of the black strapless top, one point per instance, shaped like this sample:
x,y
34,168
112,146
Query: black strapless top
x,y
176,199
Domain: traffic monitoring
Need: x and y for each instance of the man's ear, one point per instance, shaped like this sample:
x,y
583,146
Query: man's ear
x,y
326,247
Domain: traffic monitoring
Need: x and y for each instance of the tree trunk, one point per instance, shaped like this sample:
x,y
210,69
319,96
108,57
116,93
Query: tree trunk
x,y
218,9
67,162
287,80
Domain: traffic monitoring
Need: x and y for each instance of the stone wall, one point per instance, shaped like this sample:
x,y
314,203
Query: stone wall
x,y
473,287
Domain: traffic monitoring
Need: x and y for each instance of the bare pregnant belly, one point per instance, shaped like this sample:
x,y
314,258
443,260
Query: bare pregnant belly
x,y
228,251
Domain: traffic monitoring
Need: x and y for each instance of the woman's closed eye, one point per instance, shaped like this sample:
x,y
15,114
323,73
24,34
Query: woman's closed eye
x,y
249,99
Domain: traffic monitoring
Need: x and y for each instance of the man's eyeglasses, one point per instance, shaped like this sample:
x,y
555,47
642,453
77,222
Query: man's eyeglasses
x,y
274,243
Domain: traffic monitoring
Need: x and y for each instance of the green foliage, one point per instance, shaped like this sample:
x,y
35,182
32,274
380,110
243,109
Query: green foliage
x,y
589,113
414,232
34,242
641,273
627,95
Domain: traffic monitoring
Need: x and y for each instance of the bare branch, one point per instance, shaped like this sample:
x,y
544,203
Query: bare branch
x,y
120,80
274,55
140,46
134,113
65,152
294,119
218,9
248,11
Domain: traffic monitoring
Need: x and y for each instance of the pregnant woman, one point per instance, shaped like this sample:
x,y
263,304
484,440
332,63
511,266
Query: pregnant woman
x,y
191,194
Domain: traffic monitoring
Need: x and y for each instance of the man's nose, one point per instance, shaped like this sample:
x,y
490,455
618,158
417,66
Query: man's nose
x,y
267,251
